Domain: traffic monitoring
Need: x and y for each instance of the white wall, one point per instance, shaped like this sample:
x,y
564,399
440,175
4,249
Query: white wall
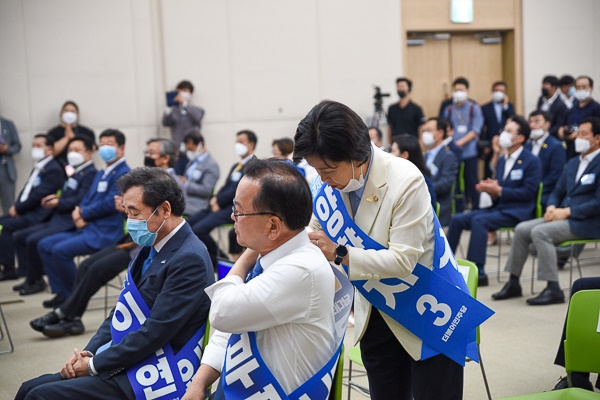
x,y
559,38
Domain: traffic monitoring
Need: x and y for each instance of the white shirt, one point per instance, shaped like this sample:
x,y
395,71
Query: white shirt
x,y
584,162
37,167
536,145
567,100
510,161
547,103
111,167
289,306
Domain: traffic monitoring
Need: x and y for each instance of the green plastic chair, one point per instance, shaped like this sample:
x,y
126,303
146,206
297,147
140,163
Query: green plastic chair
x,y
582,346
336,385
461,188
437,209
354,356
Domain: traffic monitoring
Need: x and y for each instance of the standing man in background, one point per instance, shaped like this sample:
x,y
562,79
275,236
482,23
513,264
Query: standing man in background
x,y
495,113
404,116
550,101
9,145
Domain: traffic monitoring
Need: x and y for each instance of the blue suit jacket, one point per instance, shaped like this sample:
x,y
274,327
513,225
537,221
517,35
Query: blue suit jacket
x,y
50,180
226,194
583,197
520,188
447,165
74,190
553,158
558,110
173,288
491,125
105,223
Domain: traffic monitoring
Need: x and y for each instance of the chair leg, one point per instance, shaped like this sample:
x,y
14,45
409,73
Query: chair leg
x,y
349,379
499,240
10,343
533,258
485,381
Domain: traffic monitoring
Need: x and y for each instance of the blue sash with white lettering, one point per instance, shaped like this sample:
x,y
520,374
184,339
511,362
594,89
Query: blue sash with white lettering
x,y
162,375
434,305
246,375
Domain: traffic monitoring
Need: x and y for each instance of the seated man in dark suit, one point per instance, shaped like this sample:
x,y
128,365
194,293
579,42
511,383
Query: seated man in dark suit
x,y
495,113
76,187
165,286
98,223
442,164
46,178
548,149
518,175
551,102
220,204
573,212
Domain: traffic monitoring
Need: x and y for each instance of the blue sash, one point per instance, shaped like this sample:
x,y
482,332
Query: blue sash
x,y
434,305
245,373
162,375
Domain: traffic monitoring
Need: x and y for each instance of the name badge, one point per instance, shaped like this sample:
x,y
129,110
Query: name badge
x,y
516,175
72,184
433,169
102,186
236,176
588,179
37,182
462,129
196,175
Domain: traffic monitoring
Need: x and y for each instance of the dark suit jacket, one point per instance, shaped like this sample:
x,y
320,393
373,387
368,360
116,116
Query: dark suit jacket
x,y
226,194
583,199
200,184
51,179
558,109
491,126
10,134
72,195
447,170
553,158
174,292
105,223
519,189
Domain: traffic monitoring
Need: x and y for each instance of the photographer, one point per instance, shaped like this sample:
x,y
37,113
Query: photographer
x,y
404,116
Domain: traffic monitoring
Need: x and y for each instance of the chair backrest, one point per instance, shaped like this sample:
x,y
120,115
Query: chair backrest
x,y
582,345
461,177
538,204
336,385
437,209
472,278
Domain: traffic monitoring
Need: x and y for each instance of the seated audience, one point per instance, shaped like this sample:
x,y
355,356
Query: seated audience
x,y
98,223
283,149
495,114
550,102
10,144
68,128
377,139
567,90
513,194
442,163
220,204
548,149
162,153
164,288
73,192
573,212
46,178
283,303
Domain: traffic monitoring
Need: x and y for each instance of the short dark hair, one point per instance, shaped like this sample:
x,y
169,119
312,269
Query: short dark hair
x,y
590,80
461,80
334,132
379,133
48,139
252,138
195,136
524,129
71,102
595,121
566,80
408,82
545,114
410,144
448,123
441,124
285,146
157,186
552,80
167,148
499,83
185,84
87,143
118,135
283,191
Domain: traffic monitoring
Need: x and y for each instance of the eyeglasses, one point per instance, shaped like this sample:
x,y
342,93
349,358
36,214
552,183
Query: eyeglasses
x,y
236,215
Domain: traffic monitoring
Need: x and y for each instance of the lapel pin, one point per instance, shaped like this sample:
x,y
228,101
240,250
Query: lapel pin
x,y
163,261
369,200
544,145
375,199
520,162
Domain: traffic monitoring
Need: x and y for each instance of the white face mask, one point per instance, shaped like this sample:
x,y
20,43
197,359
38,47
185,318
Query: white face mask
x,y
582,145
498,97
354,184
582,95
427,139
459,96
37,154
505,140
240,150
537,133
182,148
75,159
186,96
69,117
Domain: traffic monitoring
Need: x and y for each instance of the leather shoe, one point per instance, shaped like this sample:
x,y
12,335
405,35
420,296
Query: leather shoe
x,y
38,324
54,302
8,275
508,290
64,327
32,288
483,281
548,296
20,286
576,380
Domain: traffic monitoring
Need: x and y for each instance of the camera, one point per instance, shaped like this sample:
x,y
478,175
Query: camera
x,y
379,98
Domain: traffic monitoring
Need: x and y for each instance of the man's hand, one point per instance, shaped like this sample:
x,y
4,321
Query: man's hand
x,y
557,214
244,264
495,144
489,186
505,102
69,133
119,203
183,179
50,201
321,240
3,148
73,365
78,219
81,364
12,211
214,204
205,376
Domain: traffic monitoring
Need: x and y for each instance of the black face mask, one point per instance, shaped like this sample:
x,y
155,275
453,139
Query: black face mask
x,y
402,93
149,162
545,92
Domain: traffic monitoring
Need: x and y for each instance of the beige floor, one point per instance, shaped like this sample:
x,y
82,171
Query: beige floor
x,y
518,342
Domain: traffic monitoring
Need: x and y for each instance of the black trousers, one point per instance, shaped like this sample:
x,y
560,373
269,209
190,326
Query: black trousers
x,y
54,387
7,246
92,274
394,374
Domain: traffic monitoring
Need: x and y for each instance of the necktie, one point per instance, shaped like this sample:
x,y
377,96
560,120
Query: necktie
x,y
148,260
256,271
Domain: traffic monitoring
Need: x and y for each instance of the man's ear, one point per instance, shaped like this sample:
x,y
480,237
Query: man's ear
x,y
275,227
166,208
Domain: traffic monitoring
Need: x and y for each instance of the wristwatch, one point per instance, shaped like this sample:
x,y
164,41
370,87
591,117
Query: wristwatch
x,y
340,253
